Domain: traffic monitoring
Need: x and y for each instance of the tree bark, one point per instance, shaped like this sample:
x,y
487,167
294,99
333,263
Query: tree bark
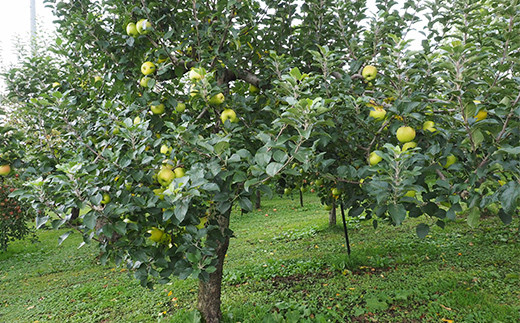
x,y
301,198
208,302
332,215
258,200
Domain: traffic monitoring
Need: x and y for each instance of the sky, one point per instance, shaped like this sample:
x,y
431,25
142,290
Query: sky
x,y
16,22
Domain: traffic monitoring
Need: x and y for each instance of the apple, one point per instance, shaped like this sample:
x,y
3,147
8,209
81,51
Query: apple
x,y
106,198
156,235
369,72
217,99
165,149
180,107
377,113
405,134
481,115
5,170
144,81
157,109
335,192
196,74
116,131
162,58
202,223
148,68
165,176
374,158
410,193
131,30
193,92
450,160
286,191
159,192
143,26
319,182
429,126
137,120
253,89
179,172
228,114
409,145
97,78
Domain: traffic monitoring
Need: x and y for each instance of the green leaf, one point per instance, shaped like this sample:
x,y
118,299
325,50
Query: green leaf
x,y
422,230
397,212
473,217
180,210
506,218
273,168
509,197
89,220
246,204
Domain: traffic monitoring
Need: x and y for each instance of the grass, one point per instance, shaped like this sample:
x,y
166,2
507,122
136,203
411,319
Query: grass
x,y
285,265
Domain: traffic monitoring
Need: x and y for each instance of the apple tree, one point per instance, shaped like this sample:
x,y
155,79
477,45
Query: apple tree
x,y
169,113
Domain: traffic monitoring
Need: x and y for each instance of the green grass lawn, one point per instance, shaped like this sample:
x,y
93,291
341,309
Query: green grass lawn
x,y
285,265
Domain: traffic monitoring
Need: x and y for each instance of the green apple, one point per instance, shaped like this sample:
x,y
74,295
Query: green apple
x,y
253,89
369,72
165,176
429,126
159,192
181,106
193,91
217,99
228,114
405,134
286,191
410,193
335,192
131,30
450,160
143,26
157,109
137,120
377,113
327,207
409,145
106,198
5,170
196,74
144,81
165,149
374,158
156,235
148,68
179,172
116,131
481,115
319,182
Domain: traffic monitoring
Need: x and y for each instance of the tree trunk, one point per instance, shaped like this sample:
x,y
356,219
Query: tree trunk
x,y
208,302
301,198
332,214
258,200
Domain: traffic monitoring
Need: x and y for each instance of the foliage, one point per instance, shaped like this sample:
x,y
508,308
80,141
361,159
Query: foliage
x,y
90,132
